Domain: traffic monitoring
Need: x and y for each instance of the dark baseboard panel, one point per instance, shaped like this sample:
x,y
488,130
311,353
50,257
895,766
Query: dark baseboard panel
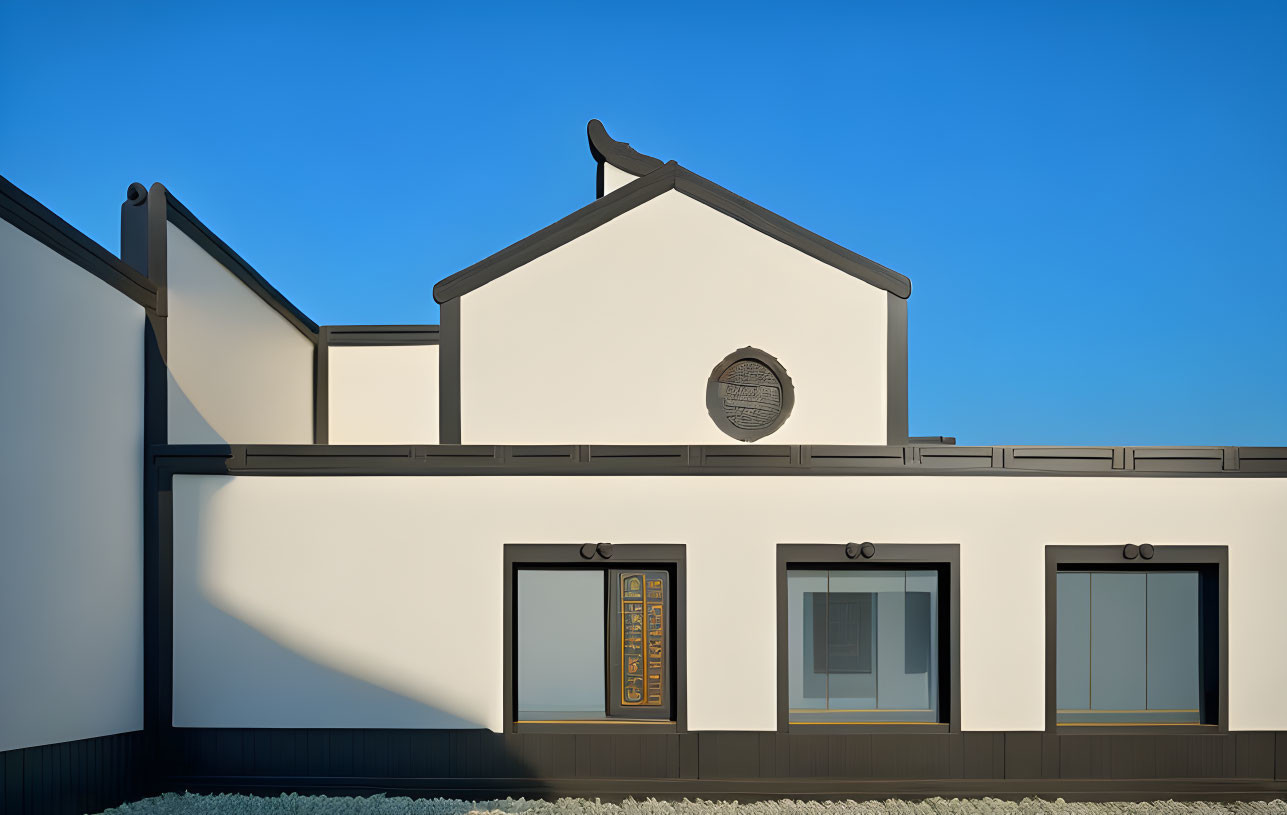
x,y
74,777
94,774
743,765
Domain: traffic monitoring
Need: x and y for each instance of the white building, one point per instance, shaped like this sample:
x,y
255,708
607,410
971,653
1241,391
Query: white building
x,y
642,516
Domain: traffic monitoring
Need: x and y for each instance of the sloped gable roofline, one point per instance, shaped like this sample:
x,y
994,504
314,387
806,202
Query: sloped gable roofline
x,y
665,177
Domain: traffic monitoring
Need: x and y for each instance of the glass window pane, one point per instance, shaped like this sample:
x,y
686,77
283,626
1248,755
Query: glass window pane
x,y
1117,641
898,690
1072,641
863,645
806,640
921,649
1173,660
853,692
560,644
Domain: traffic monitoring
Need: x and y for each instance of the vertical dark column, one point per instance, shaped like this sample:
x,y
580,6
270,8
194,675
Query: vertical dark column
x,y
322,387
143,246
896,370
449,373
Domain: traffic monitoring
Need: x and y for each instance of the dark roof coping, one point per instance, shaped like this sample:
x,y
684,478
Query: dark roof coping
x,y
203,236
669,176
39,222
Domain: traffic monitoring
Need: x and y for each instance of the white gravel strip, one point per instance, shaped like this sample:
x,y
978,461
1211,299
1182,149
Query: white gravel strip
x,y
292,804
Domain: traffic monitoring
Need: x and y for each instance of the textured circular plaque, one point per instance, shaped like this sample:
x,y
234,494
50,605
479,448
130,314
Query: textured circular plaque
x,y
749,394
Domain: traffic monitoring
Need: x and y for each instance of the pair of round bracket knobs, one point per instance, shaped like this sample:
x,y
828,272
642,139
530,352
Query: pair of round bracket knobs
x,y
866,549
589,550
1145,550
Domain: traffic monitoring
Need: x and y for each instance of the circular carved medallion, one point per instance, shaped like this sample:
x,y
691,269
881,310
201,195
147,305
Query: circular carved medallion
x,y
749,394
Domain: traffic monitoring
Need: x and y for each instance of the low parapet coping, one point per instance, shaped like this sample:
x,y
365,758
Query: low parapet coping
x,y
593,459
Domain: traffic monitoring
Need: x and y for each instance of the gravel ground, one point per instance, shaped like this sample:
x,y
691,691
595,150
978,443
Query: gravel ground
x,y
190,804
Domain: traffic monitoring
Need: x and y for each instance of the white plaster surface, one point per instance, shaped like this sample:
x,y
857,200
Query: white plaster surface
x,y
611,337
71,549
240,373
383,394
288,588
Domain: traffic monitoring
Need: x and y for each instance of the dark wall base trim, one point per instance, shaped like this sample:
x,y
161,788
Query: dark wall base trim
x,y
769,764
75,777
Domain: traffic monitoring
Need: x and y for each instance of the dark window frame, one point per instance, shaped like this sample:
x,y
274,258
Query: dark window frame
x,y
945,556
623,555
1113,557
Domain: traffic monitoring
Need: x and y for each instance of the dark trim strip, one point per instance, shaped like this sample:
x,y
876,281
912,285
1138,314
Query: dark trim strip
x,y
383,334
449,373
182,217
619,154
697,460
890,555
928,440
1114,557
896,370
38,221
667,177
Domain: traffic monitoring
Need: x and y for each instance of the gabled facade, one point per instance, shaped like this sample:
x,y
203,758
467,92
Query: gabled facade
x,y
640,517
648,287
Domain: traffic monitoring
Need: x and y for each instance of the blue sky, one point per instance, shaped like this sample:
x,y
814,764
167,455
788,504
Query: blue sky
x,y
1089,197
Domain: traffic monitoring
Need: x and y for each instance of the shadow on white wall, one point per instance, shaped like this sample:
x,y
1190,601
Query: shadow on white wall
x,y
281,637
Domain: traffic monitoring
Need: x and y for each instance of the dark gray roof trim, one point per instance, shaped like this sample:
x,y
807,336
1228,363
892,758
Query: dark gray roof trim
x,y
382,334
38,221
667,177
732,459
182,217
607,150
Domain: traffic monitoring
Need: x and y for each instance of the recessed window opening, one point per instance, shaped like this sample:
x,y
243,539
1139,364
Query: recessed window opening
x,y
594,644
865,645
1136,646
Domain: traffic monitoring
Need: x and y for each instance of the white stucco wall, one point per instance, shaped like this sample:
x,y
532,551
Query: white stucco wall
x,y
240,373
382,394
71,550
611,337
376,602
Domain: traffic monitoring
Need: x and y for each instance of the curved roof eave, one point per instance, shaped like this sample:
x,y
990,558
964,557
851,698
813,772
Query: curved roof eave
x,y
619,154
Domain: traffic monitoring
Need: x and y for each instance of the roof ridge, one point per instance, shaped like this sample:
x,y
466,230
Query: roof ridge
x,y
656,178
